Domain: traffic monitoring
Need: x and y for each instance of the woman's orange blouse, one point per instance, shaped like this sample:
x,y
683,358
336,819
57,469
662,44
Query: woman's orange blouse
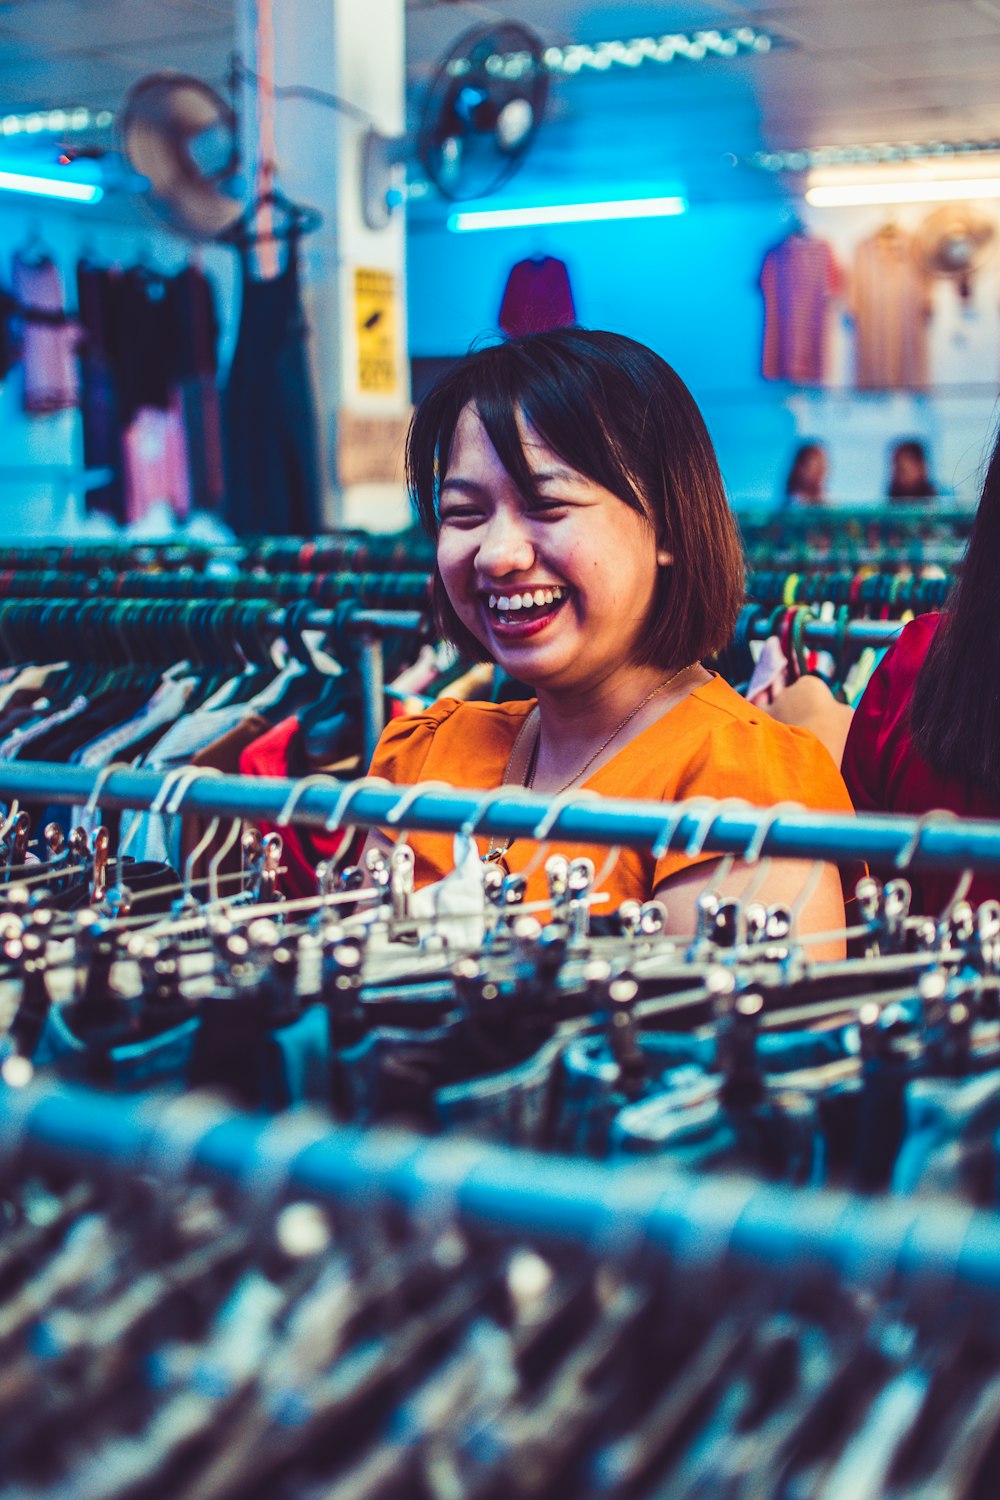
x,y
711,744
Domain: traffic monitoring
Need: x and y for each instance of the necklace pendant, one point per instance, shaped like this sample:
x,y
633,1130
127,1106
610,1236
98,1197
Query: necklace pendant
x,y
493,856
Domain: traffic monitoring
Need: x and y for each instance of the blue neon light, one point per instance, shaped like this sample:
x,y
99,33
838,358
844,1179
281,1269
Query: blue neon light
x,y
50,187
464,220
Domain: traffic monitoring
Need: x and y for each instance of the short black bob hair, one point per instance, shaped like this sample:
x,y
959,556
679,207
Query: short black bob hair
x,y
618,414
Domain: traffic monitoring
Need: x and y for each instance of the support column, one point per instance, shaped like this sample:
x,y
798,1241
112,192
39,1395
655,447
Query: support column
x,y
354,277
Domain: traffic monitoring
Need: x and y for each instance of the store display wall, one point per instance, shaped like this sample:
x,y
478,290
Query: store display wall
x,y
689,287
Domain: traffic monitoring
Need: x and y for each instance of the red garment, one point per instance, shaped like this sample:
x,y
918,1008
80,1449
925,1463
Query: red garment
x,y
799,278
885,772
537,297
272,755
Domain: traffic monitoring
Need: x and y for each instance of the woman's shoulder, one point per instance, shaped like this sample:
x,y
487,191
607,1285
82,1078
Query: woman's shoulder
x,y
729,747
450,728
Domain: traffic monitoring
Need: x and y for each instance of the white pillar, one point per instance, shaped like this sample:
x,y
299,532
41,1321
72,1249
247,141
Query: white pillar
x,y
353,277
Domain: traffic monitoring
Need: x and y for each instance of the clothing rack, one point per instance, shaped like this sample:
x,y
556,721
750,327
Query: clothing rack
x,y
170,630
377,590
837,518
885,841
877,1243
355,551
861,590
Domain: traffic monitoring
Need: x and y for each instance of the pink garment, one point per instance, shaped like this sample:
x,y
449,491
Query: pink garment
x,y
155,461
799,279
48,338
537,297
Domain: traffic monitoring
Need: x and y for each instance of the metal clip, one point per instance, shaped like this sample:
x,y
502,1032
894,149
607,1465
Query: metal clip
x,y
100,845
401,861
579,884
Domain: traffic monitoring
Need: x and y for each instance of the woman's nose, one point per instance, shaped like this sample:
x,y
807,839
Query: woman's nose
x,y
505,546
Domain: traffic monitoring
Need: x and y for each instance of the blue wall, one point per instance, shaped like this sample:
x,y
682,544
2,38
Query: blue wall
x,y
688,287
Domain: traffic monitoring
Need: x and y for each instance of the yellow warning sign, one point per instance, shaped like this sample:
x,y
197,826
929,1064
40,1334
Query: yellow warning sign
x,y
375,322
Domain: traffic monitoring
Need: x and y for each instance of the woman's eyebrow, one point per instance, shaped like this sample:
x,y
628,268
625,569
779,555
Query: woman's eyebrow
x,y
549,475
456,482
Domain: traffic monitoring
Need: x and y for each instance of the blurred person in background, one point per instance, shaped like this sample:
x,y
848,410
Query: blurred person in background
x,y
806,482
909,474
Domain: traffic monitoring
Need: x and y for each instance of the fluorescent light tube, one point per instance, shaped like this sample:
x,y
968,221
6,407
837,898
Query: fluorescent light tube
x,y
565,213
50,187
852,196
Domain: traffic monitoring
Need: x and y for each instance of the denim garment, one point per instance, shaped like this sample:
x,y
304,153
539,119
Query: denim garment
x,y
517,1107
158,1061
298,1061
952,1128
593,1092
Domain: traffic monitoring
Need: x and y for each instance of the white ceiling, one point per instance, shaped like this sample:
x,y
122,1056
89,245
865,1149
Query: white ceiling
x,y
852,71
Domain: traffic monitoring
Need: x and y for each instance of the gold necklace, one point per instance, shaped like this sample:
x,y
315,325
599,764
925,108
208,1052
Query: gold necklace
x,y
496,851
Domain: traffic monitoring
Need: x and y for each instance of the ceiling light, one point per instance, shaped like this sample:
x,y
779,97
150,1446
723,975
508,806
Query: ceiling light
x,y
631,52
50,187
464,220
852,195
801,158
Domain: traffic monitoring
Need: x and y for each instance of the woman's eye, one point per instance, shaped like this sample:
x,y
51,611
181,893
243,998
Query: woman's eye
x,y
460,515
549,508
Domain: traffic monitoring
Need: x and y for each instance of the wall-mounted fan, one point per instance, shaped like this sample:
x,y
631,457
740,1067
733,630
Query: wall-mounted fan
x,y
181,136
954,242
480,115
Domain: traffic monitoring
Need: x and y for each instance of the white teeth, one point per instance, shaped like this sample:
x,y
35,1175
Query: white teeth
x,y
510,602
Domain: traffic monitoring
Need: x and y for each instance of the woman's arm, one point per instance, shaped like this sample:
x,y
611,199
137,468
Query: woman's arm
x,y
784,882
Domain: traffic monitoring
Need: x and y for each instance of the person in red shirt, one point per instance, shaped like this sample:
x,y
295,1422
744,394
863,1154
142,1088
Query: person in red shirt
x,y
926,733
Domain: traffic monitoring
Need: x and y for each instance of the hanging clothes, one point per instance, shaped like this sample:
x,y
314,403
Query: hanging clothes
x,y
885,772
537,297
890,298
194,370
799,280
99,400
48,339
273,468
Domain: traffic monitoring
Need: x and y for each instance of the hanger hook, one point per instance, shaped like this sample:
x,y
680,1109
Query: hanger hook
x,y
298,790
215,863
407,800
99,782
674,819
493,797
347,796
10,819
196,854
189,775
548,821
907,854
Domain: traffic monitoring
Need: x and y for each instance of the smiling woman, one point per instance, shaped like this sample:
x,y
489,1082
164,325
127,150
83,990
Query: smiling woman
x,y
585,544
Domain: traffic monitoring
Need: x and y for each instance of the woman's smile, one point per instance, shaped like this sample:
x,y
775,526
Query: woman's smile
x,y
556,584
522,613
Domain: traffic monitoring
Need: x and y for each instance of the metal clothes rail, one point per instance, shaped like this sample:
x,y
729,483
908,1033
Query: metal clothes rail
x,y
145,631
580,816
375,590
618,1211
837,519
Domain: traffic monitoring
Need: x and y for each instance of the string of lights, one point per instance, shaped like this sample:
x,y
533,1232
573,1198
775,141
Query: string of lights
x,y
600,57
804,159
56,121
